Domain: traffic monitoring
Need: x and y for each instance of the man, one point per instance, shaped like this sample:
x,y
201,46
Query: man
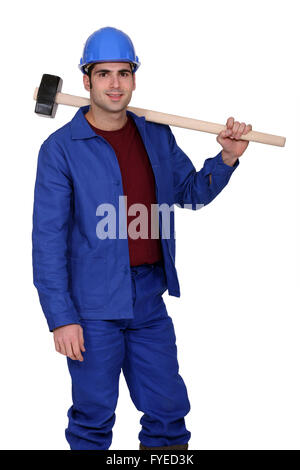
x,y
101,290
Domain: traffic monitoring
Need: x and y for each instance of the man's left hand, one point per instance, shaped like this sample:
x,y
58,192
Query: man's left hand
x,y
230,137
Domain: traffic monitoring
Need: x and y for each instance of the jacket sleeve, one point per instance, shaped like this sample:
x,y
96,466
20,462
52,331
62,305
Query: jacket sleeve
x,y
192,188
51,213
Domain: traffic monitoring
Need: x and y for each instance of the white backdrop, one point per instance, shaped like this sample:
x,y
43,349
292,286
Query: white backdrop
x,y
237,321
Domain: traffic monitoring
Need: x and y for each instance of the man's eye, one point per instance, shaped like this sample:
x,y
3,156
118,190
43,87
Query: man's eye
x,y
124,74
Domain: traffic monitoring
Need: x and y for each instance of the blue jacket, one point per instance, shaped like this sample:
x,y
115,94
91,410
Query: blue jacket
x,y
77,274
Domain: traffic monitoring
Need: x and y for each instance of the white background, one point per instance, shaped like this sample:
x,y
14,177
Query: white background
x,y
237,321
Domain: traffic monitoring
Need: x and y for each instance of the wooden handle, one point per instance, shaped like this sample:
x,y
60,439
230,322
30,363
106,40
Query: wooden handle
x,y
177,121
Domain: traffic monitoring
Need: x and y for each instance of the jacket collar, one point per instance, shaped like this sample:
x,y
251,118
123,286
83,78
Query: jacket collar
x,y
80,128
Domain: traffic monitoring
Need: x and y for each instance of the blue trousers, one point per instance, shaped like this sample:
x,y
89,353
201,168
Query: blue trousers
x,y
145,349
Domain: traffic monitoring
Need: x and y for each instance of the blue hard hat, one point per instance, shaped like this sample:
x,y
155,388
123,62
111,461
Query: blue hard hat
x,y
108,45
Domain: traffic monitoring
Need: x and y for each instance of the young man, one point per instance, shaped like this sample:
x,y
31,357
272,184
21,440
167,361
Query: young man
x,y
101,290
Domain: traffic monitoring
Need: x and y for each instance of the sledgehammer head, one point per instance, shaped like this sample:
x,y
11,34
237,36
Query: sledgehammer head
x,y
45,102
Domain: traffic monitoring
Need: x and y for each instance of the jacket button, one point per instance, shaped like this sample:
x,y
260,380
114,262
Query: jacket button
x,y
117,182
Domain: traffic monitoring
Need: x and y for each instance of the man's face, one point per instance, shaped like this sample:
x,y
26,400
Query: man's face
x,y
112,85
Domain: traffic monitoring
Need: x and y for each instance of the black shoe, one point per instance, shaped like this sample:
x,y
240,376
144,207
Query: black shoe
x,y
177,447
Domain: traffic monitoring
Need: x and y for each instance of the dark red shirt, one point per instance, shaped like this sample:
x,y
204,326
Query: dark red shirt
x,y
138,185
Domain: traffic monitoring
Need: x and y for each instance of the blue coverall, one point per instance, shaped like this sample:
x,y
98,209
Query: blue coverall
x,y
86,280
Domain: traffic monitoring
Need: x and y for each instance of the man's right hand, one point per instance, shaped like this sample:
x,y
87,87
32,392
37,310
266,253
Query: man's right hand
x,y
69,341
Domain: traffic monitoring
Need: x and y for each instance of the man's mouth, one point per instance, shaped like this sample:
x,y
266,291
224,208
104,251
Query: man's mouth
x,y
115,96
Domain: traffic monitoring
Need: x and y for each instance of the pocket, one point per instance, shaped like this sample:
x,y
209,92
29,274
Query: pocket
x,y
89,282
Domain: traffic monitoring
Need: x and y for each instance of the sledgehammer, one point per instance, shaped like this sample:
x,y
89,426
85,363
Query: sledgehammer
x,y
49,95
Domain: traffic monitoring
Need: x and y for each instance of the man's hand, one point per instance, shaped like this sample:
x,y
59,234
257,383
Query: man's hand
x,y
69,341
229,138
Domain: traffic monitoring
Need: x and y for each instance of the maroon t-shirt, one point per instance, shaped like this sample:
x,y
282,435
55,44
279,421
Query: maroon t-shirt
x,y
138,185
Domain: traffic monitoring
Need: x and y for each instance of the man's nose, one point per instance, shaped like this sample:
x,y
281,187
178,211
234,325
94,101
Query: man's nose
x,y
115,81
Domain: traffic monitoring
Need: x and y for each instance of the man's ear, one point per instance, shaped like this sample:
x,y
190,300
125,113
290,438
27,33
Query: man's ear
x,y
134,83
86,82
